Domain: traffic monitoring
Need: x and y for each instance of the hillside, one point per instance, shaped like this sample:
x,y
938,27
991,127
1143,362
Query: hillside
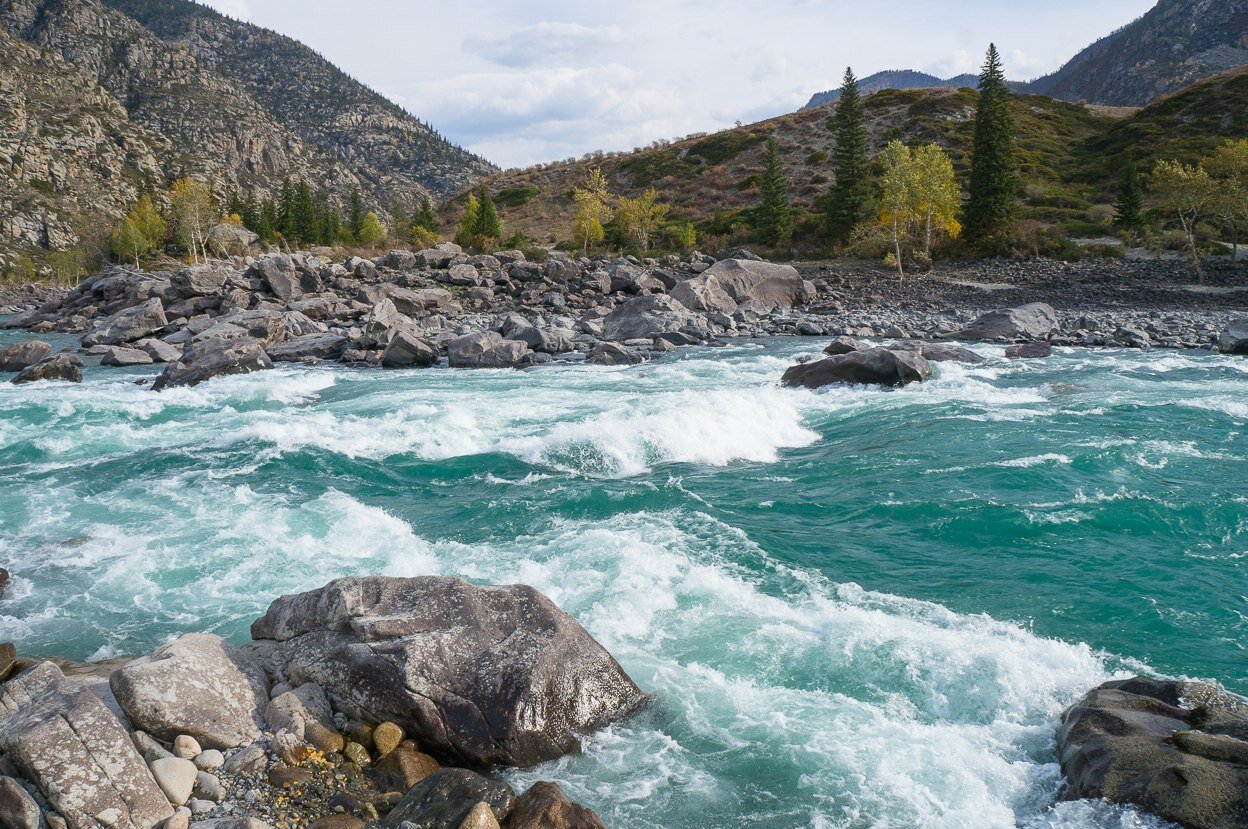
x,y
894,79
1176,44
112,107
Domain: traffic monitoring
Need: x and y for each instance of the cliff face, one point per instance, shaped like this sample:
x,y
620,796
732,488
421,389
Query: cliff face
x,y
99,106
1177,44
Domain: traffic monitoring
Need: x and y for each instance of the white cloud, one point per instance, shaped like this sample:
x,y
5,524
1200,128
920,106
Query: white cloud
x,y
544,43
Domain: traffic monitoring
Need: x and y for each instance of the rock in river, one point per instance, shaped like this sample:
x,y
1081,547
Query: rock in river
x,y
21,356
874,367
1036,321
1234,340
129,324
65,366
214,358
481,675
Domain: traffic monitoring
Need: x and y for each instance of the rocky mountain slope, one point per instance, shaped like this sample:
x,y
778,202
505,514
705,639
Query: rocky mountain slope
x,y
894,79
1176,44
103,107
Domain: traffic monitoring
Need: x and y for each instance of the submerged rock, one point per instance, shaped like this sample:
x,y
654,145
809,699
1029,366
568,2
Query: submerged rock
x,y
483,675
1178,750
1029,351
874,367
214,358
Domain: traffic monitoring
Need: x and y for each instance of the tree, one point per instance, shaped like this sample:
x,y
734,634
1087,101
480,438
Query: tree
x,y
424,216
851,163
355,214
641,217
468,222
400,221
897,198
1187,192
593,210
489,227
1129,210
193,213
994,178
775,211
372,232
937,197
142,232
1228,168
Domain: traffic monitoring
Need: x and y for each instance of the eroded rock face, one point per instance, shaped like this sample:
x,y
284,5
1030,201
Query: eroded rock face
x,y
198,685
480,675
214,358
1036,321
62,738
1178,750
1234,340
873,367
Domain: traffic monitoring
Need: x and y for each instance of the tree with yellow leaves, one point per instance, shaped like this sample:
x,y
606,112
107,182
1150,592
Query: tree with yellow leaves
x,y
641,217
593,209
1187,192
937,197
193,212
142,232
897,197
1228,168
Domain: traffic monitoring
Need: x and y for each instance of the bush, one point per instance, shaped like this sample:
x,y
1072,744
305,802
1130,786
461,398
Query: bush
x,y
516,196
726,146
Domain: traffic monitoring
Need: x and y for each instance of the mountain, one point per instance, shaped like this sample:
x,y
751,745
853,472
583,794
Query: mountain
x,y
1176,44
106,99
895,79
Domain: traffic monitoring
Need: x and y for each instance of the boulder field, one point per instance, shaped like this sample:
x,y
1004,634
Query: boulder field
x,y
370,701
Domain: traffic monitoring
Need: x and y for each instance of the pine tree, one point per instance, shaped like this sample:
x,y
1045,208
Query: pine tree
x,y
424,216
305,214
489,227
994,177
355,216
850,162
269,221
285,224
400,221
1129,211
776,211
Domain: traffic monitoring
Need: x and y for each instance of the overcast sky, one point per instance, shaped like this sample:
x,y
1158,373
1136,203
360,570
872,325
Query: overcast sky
x,y
522,82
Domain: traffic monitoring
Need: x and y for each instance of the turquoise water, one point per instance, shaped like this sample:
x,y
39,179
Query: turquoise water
x,y
857,608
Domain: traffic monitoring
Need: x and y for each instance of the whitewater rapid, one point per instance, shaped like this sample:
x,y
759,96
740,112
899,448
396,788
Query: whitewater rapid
x,y
806,581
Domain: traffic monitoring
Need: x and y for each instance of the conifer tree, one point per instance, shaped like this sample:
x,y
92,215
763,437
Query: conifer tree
x,y
489,226
400,221
305,225
1129,210
424,216
850,162
994,177
776,211
355,215
286,210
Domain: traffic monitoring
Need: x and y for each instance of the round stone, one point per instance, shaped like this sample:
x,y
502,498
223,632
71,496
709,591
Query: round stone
x,y
176,778
209,760
386,738
186,747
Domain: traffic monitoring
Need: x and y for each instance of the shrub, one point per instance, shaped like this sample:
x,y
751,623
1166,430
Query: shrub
x,y
516,196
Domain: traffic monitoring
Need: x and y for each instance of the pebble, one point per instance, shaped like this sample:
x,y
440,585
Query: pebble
x,y
357,754
201,807
176,778
209,760
251,758
209,787
186,747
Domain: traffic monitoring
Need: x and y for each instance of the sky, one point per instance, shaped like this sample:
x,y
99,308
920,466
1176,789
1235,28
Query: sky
x,y
525,82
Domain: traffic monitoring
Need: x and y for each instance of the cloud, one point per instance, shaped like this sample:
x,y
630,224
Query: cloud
x,y
544,43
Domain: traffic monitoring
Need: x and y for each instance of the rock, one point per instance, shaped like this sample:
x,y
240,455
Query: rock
x,y
305,712
159,350
439,256
488,675
24,355
128,325
773,285
400,260
65,367
704,293
444,799
176,778
199,685
279,274
8,652
120,356
481,817
646,317
232,823
612,354
1036,321
209,760
186,747
545,340
249,759
337,822
415,302
208,787
937,353
875,367
181,819
404,767
1029,351
287,777
386,737
406,350
357,754
1234,340
486,349
308,347
288,748
1177,750
18,810
64,740
214,358
545,806
226,238
200,280
844,345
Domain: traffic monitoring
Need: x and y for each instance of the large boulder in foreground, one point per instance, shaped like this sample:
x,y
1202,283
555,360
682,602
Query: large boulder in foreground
x,y
62,738
874,367
480,675
1176,749
214,358
129,324
487,349
199,685
647,317
1234,340
1036,321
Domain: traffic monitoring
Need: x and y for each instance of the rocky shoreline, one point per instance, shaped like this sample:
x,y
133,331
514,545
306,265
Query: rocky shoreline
x,y
444,307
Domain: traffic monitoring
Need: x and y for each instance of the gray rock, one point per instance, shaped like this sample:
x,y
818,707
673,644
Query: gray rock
x,y
308,347
199,685
65,366
176,778
486,349
18,810
120,356
232,823
1234,340
612,354
250,759
279,274
1177,750
1029,351
545,340
159,350
305,712
874,367
938,353
704,293
415,302
488,675
647,317
129,324
406,350
844,345
201,280
208,787
214,358
209,759
21,356
773,285
65,741
439,256
226,238
444,799
1036,321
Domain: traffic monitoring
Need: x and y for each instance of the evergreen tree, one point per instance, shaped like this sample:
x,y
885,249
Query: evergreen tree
x,y
424,216
1129,211
489,227
251,213
776,211
400,221
269,221
305,225
355,215
468,223
994,177
285,224
851,163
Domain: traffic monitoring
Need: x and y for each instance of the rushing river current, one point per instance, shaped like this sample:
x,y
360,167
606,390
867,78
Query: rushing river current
x,y
857,608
